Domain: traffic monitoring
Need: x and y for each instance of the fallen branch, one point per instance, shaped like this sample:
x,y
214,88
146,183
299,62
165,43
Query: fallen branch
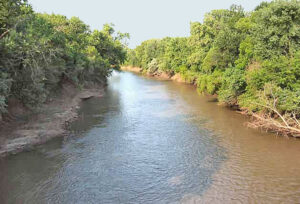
x,y
268,123
3,34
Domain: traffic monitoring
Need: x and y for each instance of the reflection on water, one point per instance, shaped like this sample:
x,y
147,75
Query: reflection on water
x,y
151,141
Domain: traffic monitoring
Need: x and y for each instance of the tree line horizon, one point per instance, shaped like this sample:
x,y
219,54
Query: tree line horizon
x,y
250,60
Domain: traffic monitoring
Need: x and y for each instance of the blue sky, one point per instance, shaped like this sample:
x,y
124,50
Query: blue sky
x,y
143,19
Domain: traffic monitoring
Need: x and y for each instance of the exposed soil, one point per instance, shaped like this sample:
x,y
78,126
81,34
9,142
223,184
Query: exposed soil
x,y
23,129
132,69
160,75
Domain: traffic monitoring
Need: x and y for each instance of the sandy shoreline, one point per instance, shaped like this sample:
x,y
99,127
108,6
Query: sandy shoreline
x,y
50,122
160,75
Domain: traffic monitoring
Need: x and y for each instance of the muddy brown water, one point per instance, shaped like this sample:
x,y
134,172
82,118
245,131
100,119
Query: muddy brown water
x,y
152,141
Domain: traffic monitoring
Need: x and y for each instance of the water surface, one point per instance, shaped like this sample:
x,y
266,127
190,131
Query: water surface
x,y
151,141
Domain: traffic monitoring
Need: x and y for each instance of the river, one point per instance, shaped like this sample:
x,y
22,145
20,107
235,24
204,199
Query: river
x,y
154,141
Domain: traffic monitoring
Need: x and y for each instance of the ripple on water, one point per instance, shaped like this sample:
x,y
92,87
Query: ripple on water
x,y
151,141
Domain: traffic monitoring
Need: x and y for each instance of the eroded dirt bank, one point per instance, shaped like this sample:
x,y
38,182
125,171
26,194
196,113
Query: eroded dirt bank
x,y
25,129
157,74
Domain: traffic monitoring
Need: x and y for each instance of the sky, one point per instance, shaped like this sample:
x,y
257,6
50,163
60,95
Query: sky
x,y
142,19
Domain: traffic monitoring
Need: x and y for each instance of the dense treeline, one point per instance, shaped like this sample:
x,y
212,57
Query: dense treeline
x,y
39,51
249,59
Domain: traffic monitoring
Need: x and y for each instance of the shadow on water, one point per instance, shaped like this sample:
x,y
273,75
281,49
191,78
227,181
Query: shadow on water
x,y
146,141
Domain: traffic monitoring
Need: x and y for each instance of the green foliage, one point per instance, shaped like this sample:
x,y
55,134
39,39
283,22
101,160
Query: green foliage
x,y
5,84
210,62
210,83
240,56
169,53
39,51
233,85
12,13
272,97
188,76
276,29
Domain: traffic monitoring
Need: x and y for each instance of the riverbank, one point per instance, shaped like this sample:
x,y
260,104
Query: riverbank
x,y
24,129
161,75
257,121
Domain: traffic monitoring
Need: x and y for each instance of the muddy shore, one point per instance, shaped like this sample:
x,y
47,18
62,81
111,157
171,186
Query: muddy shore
x,y
160,75
26,129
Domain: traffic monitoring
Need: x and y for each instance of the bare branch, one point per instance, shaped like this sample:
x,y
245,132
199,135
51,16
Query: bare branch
x,y
273,109
4,34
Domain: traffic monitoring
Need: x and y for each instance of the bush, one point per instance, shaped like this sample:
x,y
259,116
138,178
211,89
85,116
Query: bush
x,y
233,85
38,51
